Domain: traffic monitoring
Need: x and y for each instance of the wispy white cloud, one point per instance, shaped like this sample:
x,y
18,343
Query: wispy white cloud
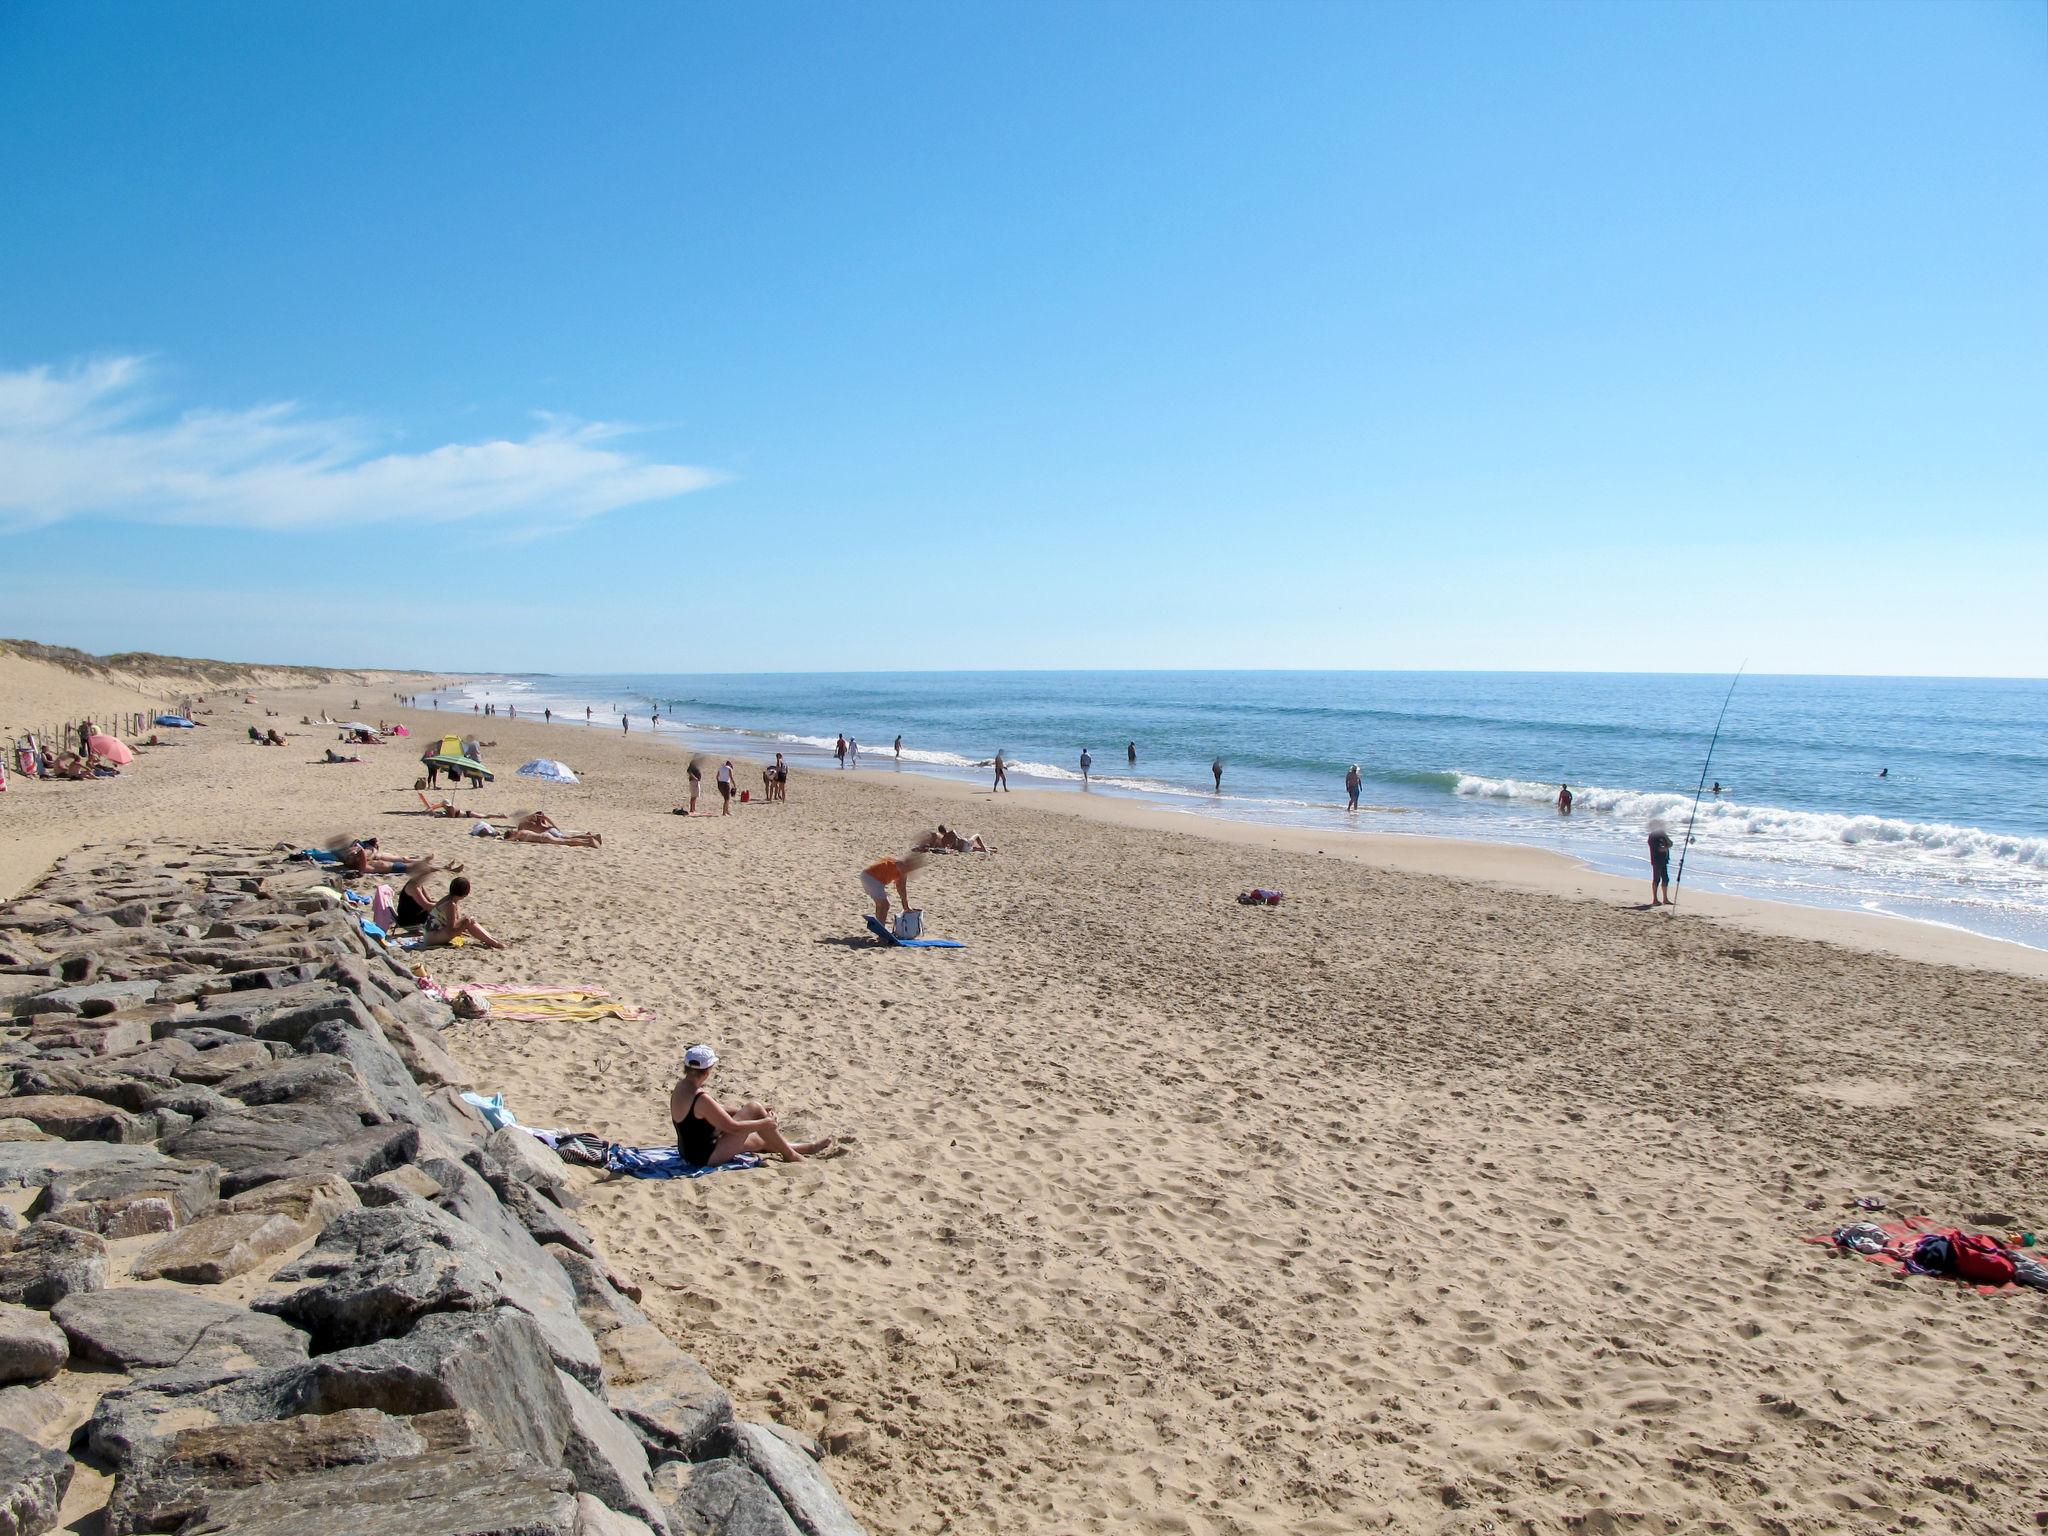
x,y
94,440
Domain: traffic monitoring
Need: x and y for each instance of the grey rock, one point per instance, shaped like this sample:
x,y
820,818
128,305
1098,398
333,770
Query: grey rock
x,y
32,1485
138,1329
37,1163
424,1056
265,1135
813,1504
373,1272
312,1200
309,1007
49,1262
303,1080
546,1222
720,1497
596,1518
88,1037
197,1465
129,1202
530,1277
606,1458
87,1001
402,1183
532,1163
353,1159
220,1247
216,1061
123,1087
447,1493
31,1346
74,1117
43,1412
24,1130
361,1044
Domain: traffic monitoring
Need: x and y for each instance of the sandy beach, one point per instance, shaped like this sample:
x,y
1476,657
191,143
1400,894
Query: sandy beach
x,y
1458,1193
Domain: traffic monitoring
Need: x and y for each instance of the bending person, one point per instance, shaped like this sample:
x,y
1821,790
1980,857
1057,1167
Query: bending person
x,y
883,873
708,1134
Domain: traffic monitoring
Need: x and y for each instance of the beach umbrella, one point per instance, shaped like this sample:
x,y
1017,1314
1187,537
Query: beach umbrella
x,y
177,720
357,725
457,763
112,748
547,768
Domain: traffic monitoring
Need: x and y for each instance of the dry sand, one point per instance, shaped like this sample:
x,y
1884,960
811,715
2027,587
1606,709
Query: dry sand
x,y
1428,1201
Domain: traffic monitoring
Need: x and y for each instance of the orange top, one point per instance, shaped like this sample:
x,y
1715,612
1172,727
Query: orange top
x,y
888,871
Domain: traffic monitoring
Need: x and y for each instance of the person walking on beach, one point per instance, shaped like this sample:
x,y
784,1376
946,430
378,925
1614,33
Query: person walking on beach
x,y
839,749
1217,769
899,746
725,786
1352,779
707,1135
1087,762
1002,775
882,874
547,715
1564,799
852,753
625,724
1660,867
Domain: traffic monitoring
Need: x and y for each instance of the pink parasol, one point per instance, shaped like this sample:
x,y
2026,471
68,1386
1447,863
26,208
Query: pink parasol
x,y
112,748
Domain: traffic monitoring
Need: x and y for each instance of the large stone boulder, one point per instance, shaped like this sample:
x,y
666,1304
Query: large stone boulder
x,y
359,1042
302,1080
220,1247
74,1117
312,1200
35,1163
31,1346
214,1064
265,1135
49,1262
720,1497
374,1272
594,1517
129,1202
530,1161
33,1482
447,1493
358,1155
197,1465
419,1047
606,1458
137,1329
811,1500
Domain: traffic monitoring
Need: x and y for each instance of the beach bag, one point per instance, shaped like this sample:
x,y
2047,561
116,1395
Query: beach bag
x,y
1979,1258
909,924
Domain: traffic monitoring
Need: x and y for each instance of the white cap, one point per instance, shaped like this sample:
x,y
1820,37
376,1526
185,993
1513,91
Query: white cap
x,y
698,1057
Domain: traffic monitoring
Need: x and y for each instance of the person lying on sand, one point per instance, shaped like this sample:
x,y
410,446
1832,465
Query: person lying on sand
x,y
556,836
448,808
946,840
361,859
271,738
335,757
883,873
707,1134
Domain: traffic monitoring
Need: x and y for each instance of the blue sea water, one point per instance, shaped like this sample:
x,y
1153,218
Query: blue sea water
x,y
1955,831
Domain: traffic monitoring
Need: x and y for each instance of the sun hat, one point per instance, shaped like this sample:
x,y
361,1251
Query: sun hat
x,y
698,1057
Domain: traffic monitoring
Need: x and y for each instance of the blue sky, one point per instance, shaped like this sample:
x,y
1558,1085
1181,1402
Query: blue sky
x,y
692,338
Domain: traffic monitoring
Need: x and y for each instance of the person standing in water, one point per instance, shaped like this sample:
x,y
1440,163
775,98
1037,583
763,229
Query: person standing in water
x,y
1564,799
1660,867
1352,780
839,749
899,746
1216,768
1087,762
1002,775
1131,753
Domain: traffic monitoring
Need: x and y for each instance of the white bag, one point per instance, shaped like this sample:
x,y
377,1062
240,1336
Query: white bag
x,y
909,923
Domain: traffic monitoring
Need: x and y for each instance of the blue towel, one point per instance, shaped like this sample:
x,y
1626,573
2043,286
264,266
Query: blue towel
x,y
875,927
320,856
493,1109
667,1163
371,930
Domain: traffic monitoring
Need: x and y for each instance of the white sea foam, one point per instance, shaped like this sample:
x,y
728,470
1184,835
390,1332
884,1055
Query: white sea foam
x,y
1786,833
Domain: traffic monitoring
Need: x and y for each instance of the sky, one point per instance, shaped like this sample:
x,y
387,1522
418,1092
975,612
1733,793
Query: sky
x,y
693,338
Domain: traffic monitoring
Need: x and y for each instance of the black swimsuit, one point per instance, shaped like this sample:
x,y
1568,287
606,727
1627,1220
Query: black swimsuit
x,y
696,1137
410,911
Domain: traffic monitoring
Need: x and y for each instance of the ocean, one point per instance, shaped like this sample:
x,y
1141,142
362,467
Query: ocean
x,y
1924,798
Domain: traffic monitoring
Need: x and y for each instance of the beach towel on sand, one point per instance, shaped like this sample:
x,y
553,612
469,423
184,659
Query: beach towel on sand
x,y
544,1005
875,927
1900,1238
667,1163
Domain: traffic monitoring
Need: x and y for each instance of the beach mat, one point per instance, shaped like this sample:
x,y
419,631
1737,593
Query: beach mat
x,y
544,1005
875,927
1901,1232
667,1163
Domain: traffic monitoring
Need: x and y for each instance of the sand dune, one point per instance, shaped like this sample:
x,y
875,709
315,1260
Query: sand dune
x,y
1421,1203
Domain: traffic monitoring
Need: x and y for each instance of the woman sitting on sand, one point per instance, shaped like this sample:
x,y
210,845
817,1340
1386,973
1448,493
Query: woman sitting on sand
x,y
707,1134
446,922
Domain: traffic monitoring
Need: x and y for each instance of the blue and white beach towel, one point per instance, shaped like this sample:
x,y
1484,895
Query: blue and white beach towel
x,y
667,1163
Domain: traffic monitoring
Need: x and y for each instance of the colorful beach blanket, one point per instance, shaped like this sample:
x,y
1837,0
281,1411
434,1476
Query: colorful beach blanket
x,y
1891,1243
542,1005
667,1163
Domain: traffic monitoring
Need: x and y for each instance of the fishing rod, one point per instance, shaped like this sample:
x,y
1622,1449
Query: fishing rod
x,y
1709,763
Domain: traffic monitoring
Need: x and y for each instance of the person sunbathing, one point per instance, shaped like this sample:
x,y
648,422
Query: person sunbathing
x,y
446,807
359,858
446,921
272,739
556,836
335,757
708,1134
